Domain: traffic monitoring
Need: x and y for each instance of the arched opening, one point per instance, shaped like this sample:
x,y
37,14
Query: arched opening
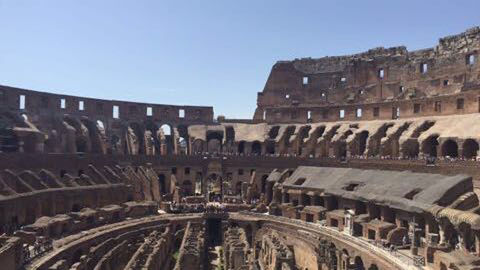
x,y
450,148
183,146
289,131
470,148
197,146
346,261
187,188
167,130
241,147
198,183
249,233
264,183
229,138
115,144
373,267
256,148
8,140
342,149
429,146
273,132
152,127
238,188
161,184
183,140
359,263
411,148
166,135
332,257
136,140
270,147
214,142
96,131
81,145
362,142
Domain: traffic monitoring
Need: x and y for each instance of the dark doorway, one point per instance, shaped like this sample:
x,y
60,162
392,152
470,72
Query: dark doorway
x,y
214,229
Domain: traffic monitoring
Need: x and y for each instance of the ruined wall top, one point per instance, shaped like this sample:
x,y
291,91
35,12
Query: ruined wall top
x,y
377,76
447,46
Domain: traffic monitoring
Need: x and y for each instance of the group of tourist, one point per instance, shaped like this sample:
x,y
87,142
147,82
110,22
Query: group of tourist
x,y
41,245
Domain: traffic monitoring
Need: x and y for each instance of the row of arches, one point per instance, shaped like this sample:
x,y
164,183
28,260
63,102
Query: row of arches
x,y
449,148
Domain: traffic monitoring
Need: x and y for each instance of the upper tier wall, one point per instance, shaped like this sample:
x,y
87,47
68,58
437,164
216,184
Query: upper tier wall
x,y
43,104
383,78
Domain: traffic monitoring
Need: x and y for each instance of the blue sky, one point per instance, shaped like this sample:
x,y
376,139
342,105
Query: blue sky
x,y
200,52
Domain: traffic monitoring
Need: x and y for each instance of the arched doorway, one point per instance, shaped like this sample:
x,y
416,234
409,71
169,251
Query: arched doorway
x,y
362,142
270,147
429,146
256,148
167,136
359,263
470,148
450,148
341,149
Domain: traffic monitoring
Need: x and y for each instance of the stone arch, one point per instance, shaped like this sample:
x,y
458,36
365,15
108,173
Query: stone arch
x,y
168,135
361,140
256,148
96,132
289,131
411,148
303,134
450,148
470,148
82,139
153,128
429,146
332,259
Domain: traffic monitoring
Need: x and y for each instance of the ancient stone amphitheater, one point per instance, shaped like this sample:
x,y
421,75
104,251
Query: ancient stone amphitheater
x,y
365,161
